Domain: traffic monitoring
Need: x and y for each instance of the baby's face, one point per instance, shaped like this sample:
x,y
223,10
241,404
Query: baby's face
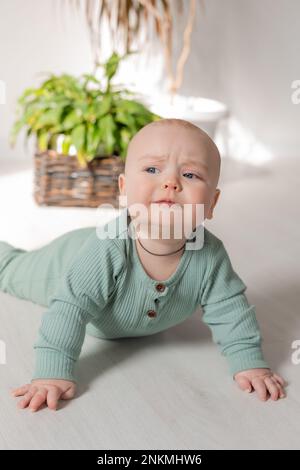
x,y
171,162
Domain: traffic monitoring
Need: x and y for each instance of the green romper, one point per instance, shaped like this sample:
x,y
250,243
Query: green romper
x,y
34,275
99,286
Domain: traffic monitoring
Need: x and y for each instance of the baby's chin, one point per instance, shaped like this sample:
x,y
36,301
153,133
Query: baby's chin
x,y
169,222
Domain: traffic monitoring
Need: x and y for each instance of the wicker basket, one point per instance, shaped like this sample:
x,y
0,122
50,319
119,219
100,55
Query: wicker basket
x,y
60,181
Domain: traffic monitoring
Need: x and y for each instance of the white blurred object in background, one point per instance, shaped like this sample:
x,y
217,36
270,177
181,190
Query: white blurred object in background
x,y
203,112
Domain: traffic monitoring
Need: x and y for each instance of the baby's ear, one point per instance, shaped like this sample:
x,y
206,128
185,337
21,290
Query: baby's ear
x,y
122,183
211,209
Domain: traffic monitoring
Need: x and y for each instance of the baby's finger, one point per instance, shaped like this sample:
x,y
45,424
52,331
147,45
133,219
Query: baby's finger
x,y
272,387
279,379
244,383
38,399
53,397
26,399
69,394
281,389
16,392
260,388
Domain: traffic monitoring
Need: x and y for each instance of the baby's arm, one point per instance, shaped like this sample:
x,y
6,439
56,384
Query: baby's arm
x,y
234,327
84,291
58,347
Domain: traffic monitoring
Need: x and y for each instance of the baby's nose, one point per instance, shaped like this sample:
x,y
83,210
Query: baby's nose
x,y
171,185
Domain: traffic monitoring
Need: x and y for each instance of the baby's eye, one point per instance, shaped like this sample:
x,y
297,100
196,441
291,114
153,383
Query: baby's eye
x,y
150,167
154,168
191,174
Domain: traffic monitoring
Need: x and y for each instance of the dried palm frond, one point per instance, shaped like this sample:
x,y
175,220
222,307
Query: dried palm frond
x,y
128,17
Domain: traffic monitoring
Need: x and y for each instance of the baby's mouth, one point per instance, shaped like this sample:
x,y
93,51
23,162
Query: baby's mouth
x,y
168,202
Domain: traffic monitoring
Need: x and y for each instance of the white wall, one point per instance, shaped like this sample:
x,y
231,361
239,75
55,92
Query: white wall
x,y
243,52
35,36
247,53
260,60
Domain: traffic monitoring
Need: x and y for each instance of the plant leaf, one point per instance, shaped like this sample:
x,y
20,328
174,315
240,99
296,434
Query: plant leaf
x,y
107,128
78,137
43,140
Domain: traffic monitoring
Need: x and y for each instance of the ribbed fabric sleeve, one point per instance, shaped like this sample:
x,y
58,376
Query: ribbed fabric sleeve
x,y
80,298
228,314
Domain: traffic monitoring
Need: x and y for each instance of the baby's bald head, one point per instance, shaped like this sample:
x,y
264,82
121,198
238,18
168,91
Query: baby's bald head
x,y
174,136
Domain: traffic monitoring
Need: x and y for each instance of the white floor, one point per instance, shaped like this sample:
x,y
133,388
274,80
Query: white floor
x,y
171,390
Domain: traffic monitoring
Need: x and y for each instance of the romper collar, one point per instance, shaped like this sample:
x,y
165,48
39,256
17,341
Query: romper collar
x,y
181,267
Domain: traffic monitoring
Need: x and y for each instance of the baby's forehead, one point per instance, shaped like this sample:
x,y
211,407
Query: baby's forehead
x,y
168,135
163,130
164,142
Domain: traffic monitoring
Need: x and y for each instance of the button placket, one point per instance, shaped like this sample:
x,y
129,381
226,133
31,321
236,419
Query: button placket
x,y
162,290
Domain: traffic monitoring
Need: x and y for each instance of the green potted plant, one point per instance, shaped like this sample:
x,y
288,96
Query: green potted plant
x,y
82,130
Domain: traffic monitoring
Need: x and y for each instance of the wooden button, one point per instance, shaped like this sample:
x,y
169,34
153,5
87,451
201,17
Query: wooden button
x,y
151,313
160,287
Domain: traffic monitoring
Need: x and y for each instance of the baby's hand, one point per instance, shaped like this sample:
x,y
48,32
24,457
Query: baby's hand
x,y
263,381
47,391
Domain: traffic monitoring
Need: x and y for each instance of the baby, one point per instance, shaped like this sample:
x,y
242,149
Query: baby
x,y
130,286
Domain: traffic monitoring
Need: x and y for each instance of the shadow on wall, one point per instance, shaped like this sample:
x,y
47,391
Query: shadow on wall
x,y
234,170
241,144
